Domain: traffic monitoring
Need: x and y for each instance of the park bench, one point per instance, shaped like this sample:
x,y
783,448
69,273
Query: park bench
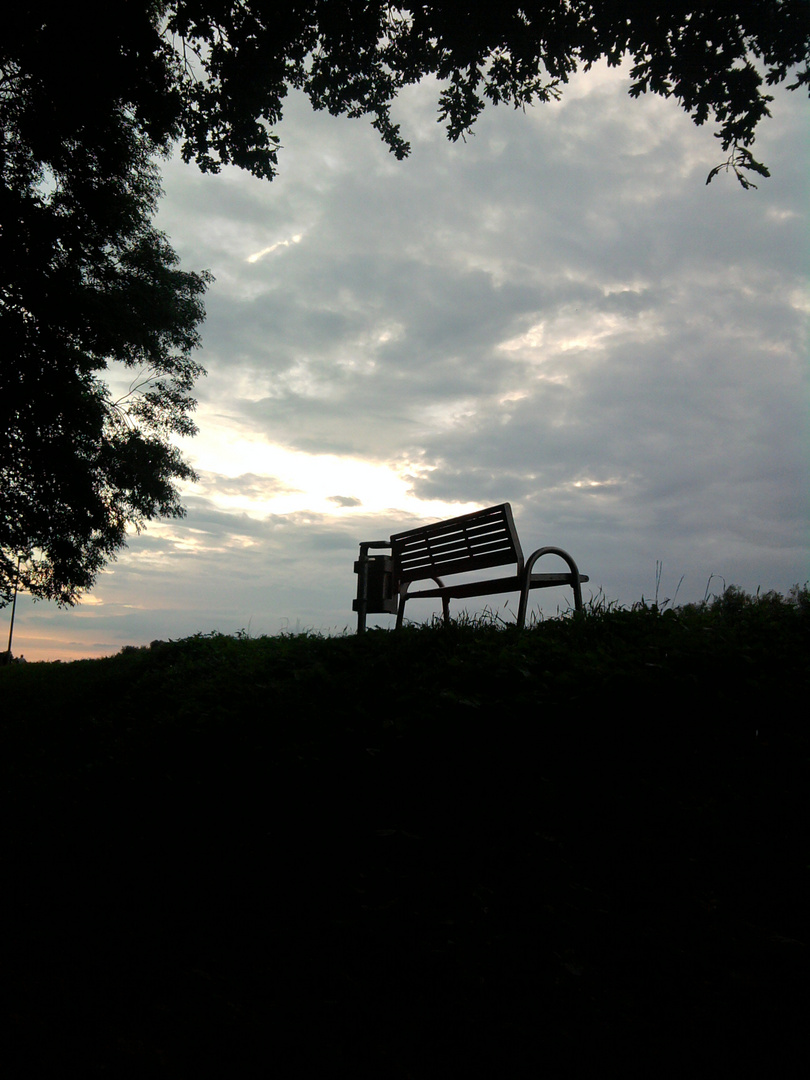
x,y
461,545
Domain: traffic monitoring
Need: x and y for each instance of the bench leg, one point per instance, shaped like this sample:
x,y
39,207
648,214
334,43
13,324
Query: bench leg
x,y
577,593
401,610
524,601
523,605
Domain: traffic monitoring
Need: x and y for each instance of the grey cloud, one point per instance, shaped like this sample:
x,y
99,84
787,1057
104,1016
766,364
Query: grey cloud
x,y
345,500
248,485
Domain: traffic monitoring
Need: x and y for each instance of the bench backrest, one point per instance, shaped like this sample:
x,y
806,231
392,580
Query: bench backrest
x,y
470,542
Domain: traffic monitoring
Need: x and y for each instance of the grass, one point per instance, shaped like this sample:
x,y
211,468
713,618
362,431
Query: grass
x,y
461,851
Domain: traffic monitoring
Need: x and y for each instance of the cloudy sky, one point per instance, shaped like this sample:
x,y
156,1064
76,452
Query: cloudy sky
x,y
558,313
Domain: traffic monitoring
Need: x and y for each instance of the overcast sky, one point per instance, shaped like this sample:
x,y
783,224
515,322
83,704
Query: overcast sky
x,y
558,313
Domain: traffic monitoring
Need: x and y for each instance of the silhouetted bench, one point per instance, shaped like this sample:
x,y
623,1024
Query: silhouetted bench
x,y
467,544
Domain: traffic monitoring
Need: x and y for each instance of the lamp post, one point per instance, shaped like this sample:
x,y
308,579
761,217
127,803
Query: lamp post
x,y
13,610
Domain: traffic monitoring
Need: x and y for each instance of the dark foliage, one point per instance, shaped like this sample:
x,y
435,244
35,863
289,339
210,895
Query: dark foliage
x,y
215,75
465,851
88,289
352,57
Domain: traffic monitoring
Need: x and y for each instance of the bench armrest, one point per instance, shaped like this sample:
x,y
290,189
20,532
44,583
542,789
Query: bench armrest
x,y
527,575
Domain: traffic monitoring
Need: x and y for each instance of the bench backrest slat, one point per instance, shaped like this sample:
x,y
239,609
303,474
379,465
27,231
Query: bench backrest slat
x,y
471,542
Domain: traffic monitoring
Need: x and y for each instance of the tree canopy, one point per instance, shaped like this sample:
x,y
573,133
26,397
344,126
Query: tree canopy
x,y
214,74
86,284
716,59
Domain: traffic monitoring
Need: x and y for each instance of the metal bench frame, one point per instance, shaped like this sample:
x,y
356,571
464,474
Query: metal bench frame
x,y
460,545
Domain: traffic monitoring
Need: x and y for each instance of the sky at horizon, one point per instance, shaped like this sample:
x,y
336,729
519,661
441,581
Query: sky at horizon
x,y
558,313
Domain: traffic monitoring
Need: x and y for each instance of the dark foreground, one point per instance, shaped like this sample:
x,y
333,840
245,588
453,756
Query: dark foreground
x,y
445,853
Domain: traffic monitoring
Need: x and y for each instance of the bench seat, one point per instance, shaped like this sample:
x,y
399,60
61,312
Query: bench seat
x,y
461,590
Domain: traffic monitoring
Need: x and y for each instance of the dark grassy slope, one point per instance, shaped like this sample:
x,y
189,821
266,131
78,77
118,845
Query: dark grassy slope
x,y
446,852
